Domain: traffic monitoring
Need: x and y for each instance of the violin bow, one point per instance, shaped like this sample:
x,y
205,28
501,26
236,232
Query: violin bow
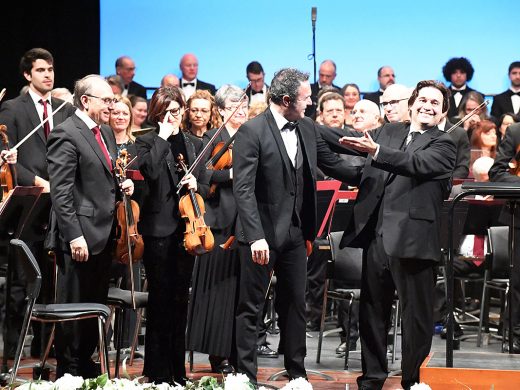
x,y
37,127
481,105
206,148
2,94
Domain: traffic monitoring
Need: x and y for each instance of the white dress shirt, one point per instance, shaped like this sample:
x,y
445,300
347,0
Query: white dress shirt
x,y
289,137
39,107
189,89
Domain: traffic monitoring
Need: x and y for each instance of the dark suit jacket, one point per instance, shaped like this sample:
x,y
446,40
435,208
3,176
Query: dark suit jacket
x,y
410,185
20,117
454,111
83,189
221,208
502,104
137,89
460,137
506,152
373,97
160,212
206,86
262,184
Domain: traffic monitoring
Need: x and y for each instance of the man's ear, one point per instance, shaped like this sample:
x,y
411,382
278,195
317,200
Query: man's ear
x,y
27,76
286,100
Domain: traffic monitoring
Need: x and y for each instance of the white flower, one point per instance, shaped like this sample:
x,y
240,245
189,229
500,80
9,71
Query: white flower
x,y
298,384
420,386
237,382
68,382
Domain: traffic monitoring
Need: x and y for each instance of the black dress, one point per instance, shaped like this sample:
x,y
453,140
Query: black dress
x,y
211,322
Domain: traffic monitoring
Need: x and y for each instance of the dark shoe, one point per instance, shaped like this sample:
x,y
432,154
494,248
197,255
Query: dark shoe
x,y
263,351
181,380
457,331
342,348
221,365
516,346
89,369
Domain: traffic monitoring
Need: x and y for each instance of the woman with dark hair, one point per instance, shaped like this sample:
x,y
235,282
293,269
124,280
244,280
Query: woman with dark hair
x,y
211,326
168,266
351,95
201,115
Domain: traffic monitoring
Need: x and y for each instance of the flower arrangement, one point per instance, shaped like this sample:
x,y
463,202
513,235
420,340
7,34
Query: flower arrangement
x,y
231,382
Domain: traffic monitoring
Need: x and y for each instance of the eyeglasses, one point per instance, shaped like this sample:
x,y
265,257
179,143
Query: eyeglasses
x,y
392,102
233,108
202,111
108,101
173,111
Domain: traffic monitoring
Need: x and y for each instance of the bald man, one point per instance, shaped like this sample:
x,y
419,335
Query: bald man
x,y
170,80
394,102
366,116
125,68
327,74
189,83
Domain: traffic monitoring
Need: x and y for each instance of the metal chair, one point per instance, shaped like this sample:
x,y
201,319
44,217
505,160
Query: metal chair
x,y
345,266
53,313
496,275
121,300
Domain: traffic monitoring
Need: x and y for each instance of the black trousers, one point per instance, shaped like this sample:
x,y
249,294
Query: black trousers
x,y
289,264
414,282
316,276
80,282
168,270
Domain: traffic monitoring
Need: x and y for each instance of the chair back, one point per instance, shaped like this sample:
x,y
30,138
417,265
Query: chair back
x,y
498,237
33,275
347,262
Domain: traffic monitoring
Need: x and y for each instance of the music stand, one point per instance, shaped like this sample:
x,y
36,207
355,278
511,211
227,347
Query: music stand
x,y
507,191
13,213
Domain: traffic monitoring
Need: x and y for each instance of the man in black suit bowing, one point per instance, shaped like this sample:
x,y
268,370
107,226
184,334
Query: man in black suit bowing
x,y
274,169
508,101
83,193
396,220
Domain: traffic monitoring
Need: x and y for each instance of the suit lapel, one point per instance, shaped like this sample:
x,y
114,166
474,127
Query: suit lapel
x,y
89,137
423,139
32,114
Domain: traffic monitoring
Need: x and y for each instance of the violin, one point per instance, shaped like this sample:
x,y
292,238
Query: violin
x,y
198,238
130,245
221,158
7,171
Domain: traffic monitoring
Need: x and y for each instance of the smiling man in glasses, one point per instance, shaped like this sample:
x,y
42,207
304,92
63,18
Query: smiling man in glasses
x,y
394,102
83,193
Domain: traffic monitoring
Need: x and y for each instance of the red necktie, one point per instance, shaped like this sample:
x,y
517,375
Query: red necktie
x,y
97,134
46,125
478,249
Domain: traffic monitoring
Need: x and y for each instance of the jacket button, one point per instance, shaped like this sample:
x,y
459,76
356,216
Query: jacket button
x,y
112,190
112,212
292,193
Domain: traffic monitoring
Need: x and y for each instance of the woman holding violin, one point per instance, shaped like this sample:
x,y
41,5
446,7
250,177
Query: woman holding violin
x,y
168,265
211,326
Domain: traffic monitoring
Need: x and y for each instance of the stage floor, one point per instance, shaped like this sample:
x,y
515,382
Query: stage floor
x,y
331,364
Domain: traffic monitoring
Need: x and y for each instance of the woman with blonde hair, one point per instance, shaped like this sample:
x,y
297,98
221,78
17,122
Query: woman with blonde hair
x,y
201,114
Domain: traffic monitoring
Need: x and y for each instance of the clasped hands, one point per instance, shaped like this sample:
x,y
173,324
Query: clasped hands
x,y
364,143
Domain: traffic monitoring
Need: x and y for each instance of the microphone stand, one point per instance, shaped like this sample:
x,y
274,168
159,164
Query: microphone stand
x,y
313,54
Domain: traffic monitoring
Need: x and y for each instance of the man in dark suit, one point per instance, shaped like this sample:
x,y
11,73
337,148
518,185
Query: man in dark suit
x,y
21,115
507,150
396,220
508,101
190,83
385,77
83,193
125,68
326,76
274,169
460,137
458,71
256,91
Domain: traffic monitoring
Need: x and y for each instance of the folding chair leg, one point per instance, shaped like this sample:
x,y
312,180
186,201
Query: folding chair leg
x,y
21,341
103,347
347,343
48,347
118,337
482,311
396,324
135,339
322,322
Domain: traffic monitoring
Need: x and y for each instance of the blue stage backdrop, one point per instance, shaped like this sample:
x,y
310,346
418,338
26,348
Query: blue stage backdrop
x,y
415,38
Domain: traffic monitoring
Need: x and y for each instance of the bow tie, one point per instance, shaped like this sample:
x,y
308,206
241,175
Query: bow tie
x,y
461,91
186,84
253,92
515,93
290,126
